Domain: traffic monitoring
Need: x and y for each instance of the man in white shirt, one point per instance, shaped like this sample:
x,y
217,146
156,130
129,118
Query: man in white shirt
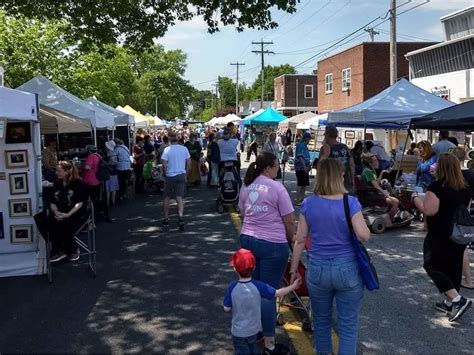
x,y
176,164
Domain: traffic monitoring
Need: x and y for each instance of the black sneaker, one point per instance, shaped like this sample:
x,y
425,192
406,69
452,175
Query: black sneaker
x,y
279,349
165,223
443,307
459,308
181,224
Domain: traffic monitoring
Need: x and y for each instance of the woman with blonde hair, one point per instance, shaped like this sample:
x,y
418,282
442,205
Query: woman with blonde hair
x,y
443,258
67,207
333,271
427,158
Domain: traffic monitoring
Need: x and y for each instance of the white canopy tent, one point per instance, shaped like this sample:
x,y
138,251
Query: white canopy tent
x,y
27,257
56,122
222,121
51,95
313,123
212,121
292,122
120,118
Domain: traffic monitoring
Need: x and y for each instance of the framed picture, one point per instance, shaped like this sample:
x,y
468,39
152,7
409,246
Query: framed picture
x,y
2,235
21,234
20,207
350,143
18,183
349,134
359,135
16,159
18,132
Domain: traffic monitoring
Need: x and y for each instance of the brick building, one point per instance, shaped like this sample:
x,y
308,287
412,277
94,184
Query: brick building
x,y
296,93
359,72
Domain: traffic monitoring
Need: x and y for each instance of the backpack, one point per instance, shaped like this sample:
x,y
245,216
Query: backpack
x,y
463,226
103,169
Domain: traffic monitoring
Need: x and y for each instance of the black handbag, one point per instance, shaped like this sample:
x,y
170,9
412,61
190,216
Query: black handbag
x,y
366,267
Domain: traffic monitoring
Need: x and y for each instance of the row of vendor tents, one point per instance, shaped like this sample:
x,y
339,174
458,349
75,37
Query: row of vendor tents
x,y
403,105
62,112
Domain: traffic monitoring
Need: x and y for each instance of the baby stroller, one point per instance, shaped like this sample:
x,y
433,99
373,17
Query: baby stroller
x,y
298,299
229,185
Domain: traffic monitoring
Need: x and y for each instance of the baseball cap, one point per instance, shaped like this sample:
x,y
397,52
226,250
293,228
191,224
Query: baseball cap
x,y
307,135
243,260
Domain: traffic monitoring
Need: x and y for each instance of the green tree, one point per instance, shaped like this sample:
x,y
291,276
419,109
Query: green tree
x,y
270,73
29,48
138,22
161,82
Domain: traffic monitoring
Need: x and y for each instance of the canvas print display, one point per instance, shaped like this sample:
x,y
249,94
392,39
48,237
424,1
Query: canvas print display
x,y
20,207
21,234
18,132
16,159
18,183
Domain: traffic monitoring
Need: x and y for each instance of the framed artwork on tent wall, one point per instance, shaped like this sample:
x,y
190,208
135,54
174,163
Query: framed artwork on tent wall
x,y
16,159
18,132
18,183
20,207
21,234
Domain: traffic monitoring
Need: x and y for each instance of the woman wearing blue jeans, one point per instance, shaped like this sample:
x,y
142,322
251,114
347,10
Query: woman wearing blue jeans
x,y
268,224
333,271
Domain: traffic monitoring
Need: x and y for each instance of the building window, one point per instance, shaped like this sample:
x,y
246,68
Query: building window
x,y
346,79
308,91
328,83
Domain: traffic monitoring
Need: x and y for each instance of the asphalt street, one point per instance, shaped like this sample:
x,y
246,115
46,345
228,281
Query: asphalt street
x,y
162,291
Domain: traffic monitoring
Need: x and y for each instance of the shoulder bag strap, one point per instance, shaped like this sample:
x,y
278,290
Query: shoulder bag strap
x,y
348,214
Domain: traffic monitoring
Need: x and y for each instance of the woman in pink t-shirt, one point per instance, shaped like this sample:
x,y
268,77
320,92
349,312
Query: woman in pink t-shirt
x,y
89,172
268,225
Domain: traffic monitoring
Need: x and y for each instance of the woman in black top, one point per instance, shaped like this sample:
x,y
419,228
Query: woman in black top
x,y
67,207
442,257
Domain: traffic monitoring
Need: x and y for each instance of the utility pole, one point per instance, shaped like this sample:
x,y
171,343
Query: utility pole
x,y
217,103
371,32
262,52
393,42
237,87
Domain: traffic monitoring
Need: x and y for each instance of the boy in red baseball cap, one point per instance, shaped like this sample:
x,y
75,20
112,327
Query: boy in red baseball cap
x,y
243,298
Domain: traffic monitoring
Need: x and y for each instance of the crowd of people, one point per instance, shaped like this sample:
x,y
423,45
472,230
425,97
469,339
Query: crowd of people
x,y
176,159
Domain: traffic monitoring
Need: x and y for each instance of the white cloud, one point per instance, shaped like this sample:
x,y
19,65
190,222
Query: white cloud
x,y
447,5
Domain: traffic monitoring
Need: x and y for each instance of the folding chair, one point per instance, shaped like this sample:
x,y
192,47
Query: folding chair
x,y
85,241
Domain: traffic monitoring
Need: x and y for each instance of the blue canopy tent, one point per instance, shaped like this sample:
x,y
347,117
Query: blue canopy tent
x,y
269,116
455,118
393,108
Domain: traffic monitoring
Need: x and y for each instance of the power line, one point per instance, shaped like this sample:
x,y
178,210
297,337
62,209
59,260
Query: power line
x,y
262,53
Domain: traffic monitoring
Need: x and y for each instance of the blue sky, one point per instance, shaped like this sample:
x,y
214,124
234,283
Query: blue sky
x,y
316,25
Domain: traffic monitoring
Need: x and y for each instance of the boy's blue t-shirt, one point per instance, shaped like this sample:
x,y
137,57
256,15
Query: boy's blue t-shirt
x,y
245,300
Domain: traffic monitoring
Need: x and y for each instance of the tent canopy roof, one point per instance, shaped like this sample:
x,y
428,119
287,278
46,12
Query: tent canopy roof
x,y
53,96
269,116
53,121
139,119
459,117
120,118
17,105
394,107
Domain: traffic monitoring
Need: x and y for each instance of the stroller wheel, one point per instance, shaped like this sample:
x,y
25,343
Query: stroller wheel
x,y
280,320
378,226
220,208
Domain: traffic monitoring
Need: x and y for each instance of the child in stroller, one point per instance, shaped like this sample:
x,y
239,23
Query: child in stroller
x,y
229,185
152,175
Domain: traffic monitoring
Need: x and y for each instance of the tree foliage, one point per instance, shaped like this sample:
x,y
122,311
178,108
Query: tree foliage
x,y
113,74
270,73
138,22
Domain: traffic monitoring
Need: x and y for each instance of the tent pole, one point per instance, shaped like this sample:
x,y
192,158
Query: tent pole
x,y
403,155
95,137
